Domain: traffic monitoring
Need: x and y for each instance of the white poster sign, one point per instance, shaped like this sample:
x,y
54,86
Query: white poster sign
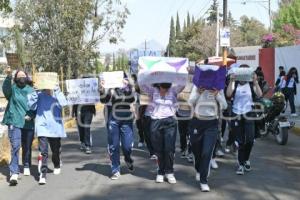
x,y
83,91
225,37
112,79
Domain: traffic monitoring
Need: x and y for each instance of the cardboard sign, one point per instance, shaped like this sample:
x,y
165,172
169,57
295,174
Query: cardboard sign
x,y
243,74
162,70
112,79
46,80
210,77
82,91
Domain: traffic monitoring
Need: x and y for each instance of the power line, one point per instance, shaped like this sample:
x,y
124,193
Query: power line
x,y
204,7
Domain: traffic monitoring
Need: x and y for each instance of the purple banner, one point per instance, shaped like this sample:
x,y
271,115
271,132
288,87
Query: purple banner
x,y
210,79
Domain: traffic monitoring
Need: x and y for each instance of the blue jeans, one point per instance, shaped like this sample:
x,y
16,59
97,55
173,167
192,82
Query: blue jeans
x,y
17,138
203,142
119,131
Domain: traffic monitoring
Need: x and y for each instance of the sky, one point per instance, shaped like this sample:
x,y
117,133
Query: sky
x,y
150,19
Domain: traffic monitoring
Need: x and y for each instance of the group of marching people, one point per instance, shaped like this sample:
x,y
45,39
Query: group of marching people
x,y
30,111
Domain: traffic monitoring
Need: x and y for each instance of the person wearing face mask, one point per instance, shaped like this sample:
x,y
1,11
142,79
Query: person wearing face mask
x,y
164,127
207,104
290,89
19,120
120,124
49,126
243,95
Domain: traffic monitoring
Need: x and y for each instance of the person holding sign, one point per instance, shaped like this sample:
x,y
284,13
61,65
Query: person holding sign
x,y
49,126
120,123
206,103
242,95
19,120
164,127
84,116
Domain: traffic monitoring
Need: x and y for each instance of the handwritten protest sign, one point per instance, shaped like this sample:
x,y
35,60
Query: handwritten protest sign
x,y
82,91
210,77
112,79
243,74
162,70
46,80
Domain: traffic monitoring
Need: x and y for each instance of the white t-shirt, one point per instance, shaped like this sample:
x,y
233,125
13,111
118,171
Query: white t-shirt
x,y
243,101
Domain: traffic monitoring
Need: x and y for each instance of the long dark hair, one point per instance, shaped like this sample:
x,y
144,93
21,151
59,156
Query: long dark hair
x,y
292,71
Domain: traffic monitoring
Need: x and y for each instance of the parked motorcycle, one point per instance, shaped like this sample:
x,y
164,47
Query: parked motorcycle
x,y
272,122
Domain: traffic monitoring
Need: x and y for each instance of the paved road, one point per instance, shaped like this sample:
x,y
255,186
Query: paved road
x,y
276,175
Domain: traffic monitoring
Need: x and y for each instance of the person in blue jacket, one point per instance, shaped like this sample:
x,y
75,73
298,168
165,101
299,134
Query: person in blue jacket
x,y
49,126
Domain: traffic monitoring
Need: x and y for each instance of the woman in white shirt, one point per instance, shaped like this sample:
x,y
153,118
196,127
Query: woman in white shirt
x,y
205,123
242,124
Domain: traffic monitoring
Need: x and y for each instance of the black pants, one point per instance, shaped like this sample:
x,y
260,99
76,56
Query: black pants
x,y
84,122
147,130
290,96
244,130
141,130
163,139
55,146
184,130
203,142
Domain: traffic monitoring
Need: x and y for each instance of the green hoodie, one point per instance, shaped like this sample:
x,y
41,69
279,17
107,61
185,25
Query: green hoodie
x,y
17,107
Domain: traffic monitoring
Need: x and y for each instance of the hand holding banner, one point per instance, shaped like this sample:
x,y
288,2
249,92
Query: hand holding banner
x,y
46,80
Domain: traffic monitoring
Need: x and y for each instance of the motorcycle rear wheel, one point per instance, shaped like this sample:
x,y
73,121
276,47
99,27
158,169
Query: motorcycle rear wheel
x,y
282,135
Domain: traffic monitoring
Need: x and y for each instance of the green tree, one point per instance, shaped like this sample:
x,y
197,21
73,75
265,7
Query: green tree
x,y
251,31
67,33
178,28
188,20
184,26
5,6
172,38
213,10
287,22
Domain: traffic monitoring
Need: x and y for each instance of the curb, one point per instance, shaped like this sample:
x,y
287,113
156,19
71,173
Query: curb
x,y
296,130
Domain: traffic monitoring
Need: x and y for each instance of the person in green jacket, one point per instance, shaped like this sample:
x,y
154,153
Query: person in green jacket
x,y
19,120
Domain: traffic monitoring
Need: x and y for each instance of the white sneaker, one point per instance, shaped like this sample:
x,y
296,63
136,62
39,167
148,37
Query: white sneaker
x,y
42,180
140,145
159,178
190,158
153,157
26,172
197,176
56,171
214,164
220,153
115,176
294,115
13,179
204,187
171,178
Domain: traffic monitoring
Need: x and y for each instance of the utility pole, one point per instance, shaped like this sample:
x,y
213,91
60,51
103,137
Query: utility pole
x,y
224,25
270,16
218,31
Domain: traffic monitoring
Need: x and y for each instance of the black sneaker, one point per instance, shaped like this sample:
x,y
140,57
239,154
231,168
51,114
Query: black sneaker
x,y
247,166
130,166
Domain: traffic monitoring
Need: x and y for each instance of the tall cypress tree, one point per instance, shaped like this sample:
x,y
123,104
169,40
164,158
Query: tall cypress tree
x,y
188,20
178,28
184,26
193,20
172,38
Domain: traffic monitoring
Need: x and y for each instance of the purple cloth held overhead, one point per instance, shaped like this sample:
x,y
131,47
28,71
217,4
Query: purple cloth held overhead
x,y
210,79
